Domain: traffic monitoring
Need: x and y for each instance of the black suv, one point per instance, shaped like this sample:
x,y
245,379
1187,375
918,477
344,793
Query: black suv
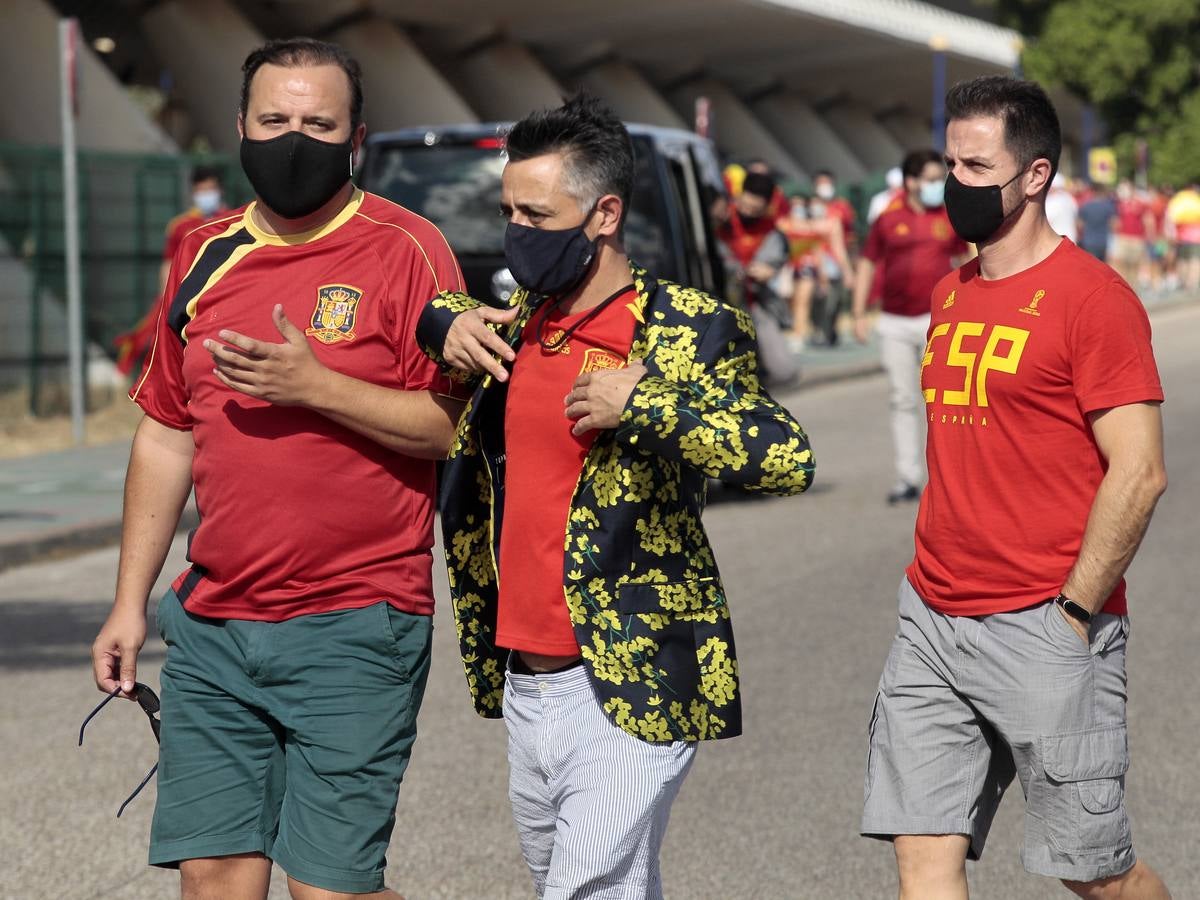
x,y
451,176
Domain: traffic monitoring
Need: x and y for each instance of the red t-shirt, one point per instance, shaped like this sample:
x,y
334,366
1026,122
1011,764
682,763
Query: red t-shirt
x,y
839,208
298,514
178,228
1131,217
1012,368
915,250
542,469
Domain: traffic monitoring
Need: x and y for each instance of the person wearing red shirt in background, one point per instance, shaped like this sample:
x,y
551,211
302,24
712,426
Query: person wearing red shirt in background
x,y
825,190
915,246
298,640
1045,464
208,204
754,252
1129,250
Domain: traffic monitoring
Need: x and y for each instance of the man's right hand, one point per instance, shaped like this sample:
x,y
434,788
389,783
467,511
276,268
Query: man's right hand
x,y
115,650
860,329
473,347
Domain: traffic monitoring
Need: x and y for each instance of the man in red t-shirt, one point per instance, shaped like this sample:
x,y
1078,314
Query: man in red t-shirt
x,y
598,626
1045,464
1129,252
914,246
208,204
285,386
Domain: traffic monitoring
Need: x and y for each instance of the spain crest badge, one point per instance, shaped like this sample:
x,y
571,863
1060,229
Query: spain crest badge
x,y
598,359
335,313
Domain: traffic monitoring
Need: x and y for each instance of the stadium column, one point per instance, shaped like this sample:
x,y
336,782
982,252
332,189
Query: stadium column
x,y
628,92
862,132
205,42
737,131
502,80
807,136
402,86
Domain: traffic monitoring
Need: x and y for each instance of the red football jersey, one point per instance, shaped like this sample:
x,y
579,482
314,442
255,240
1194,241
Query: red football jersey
x,y
298,514
1012,369
915,250
543,462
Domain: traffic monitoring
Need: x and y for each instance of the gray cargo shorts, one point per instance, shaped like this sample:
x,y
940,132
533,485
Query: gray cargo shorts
x,y
965,703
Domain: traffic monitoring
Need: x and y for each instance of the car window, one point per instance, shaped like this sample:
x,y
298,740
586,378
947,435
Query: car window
x,y
457,187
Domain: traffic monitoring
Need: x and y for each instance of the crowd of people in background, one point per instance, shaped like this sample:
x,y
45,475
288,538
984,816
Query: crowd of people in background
x,y
1149,234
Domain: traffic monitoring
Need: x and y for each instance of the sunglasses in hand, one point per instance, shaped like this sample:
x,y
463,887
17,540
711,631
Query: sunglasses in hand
x,y
148,701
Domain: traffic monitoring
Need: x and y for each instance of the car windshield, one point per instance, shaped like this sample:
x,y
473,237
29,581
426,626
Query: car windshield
x,y
457,187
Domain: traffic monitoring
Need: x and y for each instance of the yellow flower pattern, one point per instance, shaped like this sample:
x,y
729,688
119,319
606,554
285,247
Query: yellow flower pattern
x,y
639,578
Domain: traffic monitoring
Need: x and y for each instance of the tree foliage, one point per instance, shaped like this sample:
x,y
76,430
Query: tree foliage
x,y
1136,61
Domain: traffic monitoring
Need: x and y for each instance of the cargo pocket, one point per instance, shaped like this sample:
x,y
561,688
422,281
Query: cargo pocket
x,y
1083,806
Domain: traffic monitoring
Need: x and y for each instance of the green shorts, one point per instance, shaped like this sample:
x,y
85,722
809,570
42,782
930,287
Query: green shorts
x,y
288,739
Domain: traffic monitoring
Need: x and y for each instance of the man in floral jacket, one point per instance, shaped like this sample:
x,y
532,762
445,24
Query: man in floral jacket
x,y
604,400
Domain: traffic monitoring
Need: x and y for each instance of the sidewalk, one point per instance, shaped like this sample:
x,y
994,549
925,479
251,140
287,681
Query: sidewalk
x,y
70,501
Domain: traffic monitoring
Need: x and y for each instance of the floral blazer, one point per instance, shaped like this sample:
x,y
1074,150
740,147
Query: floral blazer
x,y
639,577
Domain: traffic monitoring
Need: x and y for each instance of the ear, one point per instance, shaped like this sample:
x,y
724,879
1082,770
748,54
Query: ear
x,y
241,126
358,136
1039,177
610,208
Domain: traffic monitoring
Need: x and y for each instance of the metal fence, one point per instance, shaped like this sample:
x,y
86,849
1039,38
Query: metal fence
x,y
126,201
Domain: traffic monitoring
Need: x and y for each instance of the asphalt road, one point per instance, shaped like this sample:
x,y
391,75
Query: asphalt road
x,y
772,814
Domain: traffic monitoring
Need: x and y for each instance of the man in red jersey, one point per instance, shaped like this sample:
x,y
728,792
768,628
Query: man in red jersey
x,y
208,203
1045,464
286,387
914,245
590,609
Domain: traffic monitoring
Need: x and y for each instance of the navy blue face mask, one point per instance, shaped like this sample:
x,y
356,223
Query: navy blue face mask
x,y
547,262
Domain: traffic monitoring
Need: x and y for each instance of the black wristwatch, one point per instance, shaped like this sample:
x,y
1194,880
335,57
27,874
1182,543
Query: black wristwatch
x,y
1072,609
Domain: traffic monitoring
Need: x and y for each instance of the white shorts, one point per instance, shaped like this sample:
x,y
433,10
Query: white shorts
x,y
590,801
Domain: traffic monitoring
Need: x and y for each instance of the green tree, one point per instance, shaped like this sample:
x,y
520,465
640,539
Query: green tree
x,y
1136,61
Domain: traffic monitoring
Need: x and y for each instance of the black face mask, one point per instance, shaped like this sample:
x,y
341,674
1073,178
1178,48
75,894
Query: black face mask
x,y
977,213
295,175
548,262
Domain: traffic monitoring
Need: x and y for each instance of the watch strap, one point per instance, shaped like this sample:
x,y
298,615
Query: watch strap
x,y
1072,609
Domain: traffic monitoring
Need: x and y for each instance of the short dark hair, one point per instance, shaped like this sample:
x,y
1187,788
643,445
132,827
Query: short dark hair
x,y
824,173
916,160
760,184
206,173
292,53
596,147
1031,128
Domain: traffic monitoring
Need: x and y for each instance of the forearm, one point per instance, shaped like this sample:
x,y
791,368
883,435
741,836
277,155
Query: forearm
x,y
416,423
862,287
740,438
1117,523
157,485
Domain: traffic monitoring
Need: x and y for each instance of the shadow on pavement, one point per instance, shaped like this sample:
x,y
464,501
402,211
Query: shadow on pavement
x,y
36,634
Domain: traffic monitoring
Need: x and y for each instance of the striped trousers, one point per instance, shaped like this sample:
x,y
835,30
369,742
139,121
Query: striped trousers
x,y
590,801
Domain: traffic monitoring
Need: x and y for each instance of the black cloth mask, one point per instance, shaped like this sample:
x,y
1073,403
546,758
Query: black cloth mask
x,y
295,175
976,213
548,262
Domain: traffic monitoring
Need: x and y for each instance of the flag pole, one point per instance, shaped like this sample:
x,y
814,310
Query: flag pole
x,y
68,42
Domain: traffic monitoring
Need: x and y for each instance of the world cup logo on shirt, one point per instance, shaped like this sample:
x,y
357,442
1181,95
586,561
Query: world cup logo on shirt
x,y
333,318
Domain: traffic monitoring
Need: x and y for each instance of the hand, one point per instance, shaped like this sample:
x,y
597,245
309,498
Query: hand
x,y
473,347
597,399
760,271
860,329
286,374
115,650
1081,628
